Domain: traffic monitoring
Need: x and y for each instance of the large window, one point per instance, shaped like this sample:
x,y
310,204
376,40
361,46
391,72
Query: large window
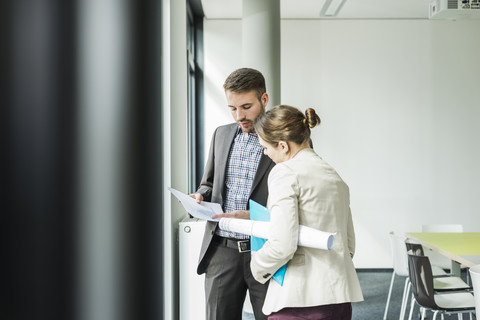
x,y
195,93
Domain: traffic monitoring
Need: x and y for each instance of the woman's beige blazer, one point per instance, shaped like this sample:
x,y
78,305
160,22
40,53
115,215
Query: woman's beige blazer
x,y
306,190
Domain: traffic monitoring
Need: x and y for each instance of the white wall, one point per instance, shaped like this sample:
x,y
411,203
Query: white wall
x,y
399,103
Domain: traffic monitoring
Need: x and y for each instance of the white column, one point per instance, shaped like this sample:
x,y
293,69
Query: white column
x,y
261,42
103,88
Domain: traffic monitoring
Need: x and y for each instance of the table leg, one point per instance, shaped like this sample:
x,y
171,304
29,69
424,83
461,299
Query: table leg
x,y
456,271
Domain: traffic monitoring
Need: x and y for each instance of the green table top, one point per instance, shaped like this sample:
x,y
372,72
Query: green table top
x,y
464,243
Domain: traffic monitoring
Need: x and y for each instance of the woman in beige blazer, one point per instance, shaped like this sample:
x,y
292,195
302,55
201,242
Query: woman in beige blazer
x,y
304,190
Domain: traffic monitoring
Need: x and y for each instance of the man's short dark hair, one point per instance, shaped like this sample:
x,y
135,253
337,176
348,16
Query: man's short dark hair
x,y
244,80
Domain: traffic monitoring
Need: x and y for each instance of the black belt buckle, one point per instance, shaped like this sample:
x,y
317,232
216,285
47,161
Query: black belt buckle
x,y
243,246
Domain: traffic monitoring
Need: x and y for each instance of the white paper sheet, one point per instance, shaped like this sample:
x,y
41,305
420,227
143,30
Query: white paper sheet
x,y
204,210
307,237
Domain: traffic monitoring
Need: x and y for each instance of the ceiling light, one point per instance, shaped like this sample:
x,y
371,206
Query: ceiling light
x,y
331,8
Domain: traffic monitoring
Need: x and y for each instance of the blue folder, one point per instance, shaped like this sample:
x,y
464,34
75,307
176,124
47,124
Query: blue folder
x,y
260,213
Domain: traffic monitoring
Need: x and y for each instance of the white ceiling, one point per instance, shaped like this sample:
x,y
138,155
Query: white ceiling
x,y
310,9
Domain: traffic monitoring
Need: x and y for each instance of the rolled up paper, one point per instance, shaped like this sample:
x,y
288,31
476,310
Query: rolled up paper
x,y
313,238
307,237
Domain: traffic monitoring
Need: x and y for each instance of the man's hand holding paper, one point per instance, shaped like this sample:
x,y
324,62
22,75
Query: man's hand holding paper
x,y
237,214
196,207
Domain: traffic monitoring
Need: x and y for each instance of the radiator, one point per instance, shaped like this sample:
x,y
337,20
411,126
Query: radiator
x,y
192,293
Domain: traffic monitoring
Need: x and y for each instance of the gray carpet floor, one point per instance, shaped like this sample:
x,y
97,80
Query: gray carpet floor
x,y
375,284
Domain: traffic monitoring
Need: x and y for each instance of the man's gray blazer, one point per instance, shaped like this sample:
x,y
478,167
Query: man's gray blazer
x,y
212,186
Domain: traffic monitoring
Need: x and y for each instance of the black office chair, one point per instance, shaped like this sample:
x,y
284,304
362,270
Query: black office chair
x,y
417,249
442,281
420,274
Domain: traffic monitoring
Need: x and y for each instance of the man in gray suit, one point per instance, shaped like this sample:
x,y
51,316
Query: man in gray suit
x,y
236,171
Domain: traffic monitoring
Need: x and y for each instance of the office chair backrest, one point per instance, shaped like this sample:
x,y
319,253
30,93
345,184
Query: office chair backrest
x,y
475,276
420,273
442,228
399,253
414,248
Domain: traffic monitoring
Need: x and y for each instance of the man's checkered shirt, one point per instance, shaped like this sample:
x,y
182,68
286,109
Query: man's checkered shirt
x,y
241,168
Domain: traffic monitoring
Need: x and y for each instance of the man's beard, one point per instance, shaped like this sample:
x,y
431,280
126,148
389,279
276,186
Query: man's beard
x,y
252,128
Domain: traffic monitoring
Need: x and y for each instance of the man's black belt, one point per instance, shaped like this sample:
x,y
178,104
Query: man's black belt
x,y
242,245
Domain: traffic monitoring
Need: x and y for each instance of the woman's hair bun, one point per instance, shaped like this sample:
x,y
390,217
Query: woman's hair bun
x,y
311,118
